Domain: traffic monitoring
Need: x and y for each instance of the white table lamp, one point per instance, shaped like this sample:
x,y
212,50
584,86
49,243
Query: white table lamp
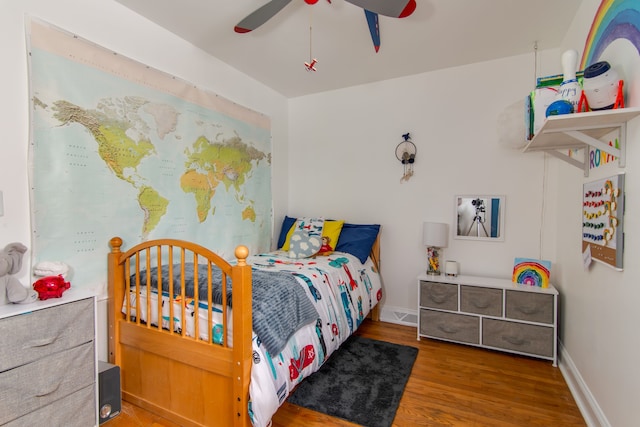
x,y
434,237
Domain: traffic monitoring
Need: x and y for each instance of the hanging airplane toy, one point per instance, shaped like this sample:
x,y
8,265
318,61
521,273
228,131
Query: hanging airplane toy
x,y
391,8
311,66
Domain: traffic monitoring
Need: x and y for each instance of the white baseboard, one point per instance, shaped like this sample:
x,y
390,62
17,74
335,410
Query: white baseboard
x,y
591,412
399,315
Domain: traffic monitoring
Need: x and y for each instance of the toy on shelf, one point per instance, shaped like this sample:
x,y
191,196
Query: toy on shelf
x,y
570,89
601,86
550,89
598,88
561,106
620,97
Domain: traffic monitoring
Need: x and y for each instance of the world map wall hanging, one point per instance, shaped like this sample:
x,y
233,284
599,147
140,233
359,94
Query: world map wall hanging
x,y
121,149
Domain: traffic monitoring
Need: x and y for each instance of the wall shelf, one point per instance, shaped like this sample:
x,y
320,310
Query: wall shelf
x,y
582,131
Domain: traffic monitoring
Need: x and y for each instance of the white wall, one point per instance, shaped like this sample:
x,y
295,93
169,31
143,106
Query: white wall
x,y
343,165
599,306
109,24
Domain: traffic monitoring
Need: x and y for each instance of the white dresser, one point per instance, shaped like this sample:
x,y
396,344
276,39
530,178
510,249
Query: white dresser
x,y
48,365
491,313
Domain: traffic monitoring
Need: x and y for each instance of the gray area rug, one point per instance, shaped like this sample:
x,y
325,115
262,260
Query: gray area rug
x,y
362,382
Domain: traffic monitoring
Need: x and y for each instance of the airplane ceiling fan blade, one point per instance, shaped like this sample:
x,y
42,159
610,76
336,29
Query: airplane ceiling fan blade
x,y
260,16
374,28
393,8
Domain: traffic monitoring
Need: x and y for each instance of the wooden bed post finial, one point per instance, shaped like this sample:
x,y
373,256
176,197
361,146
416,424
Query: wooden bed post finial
x,y
242,252
116,243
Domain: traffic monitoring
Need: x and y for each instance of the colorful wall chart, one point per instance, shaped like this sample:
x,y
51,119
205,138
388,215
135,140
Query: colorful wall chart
x,y
602,220
532,272
615,19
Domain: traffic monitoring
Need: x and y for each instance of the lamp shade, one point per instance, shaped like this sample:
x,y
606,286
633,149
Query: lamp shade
x,y
435,234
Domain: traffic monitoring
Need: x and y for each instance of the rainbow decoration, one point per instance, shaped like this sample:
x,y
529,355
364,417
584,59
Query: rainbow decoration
x,y
615,19
531,272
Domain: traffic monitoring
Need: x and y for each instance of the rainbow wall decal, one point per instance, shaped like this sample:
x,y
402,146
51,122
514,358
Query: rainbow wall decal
x,y
532,272
615,19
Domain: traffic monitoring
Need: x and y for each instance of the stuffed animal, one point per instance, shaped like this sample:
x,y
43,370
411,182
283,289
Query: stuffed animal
x,y
326,248
11,290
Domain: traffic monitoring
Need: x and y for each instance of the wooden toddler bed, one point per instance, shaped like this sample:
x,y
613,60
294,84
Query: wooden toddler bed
x,y
190,360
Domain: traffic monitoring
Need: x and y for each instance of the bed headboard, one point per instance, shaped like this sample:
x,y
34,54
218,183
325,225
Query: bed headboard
x,y
375,253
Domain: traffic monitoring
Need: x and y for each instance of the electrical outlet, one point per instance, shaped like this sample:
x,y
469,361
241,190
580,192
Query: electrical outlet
x,y
1,205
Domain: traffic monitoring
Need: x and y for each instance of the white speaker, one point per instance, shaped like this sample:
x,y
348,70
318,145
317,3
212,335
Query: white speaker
x,y
451,268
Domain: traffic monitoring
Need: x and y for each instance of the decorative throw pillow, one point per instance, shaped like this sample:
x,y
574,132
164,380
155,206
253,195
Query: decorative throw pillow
x,y
306,239
330,236
287,240
358,239
287,224
331,230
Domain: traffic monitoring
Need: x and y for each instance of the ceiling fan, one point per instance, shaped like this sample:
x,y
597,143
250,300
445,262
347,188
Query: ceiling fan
x,y
392,8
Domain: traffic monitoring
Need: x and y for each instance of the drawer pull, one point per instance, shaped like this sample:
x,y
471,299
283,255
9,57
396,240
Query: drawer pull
x,y
527,310
447,329
514,340
438,299
49,391
480,304
43,342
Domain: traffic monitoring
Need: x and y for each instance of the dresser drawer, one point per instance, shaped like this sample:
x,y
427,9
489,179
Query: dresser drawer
x,y
439,295
487,301
530,306
30,336
29,387
520,337
450,326
75,410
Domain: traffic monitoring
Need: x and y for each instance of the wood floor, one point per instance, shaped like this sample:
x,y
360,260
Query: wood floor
x,y
450,385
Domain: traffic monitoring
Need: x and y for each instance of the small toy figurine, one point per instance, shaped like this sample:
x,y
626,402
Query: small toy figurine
x,y
326,248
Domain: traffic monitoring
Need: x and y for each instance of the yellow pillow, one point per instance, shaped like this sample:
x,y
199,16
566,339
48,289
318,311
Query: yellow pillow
x,y
330,235
331,231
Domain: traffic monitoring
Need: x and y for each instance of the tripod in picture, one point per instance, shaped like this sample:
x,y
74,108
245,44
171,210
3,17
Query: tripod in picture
x,y
478,219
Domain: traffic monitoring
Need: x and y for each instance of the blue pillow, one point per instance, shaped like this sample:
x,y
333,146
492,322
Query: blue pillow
x,y
358,239
287,223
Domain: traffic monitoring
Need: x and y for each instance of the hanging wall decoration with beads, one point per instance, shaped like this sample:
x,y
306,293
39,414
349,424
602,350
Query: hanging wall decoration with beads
x,y
602,220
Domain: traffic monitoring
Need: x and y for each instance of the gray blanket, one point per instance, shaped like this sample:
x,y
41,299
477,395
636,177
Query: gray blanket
x,y
280,304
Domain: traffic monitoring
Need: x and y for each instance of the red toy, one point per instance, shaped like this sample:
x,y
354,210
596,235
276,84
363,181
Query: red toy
x,y
311,66
51,287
